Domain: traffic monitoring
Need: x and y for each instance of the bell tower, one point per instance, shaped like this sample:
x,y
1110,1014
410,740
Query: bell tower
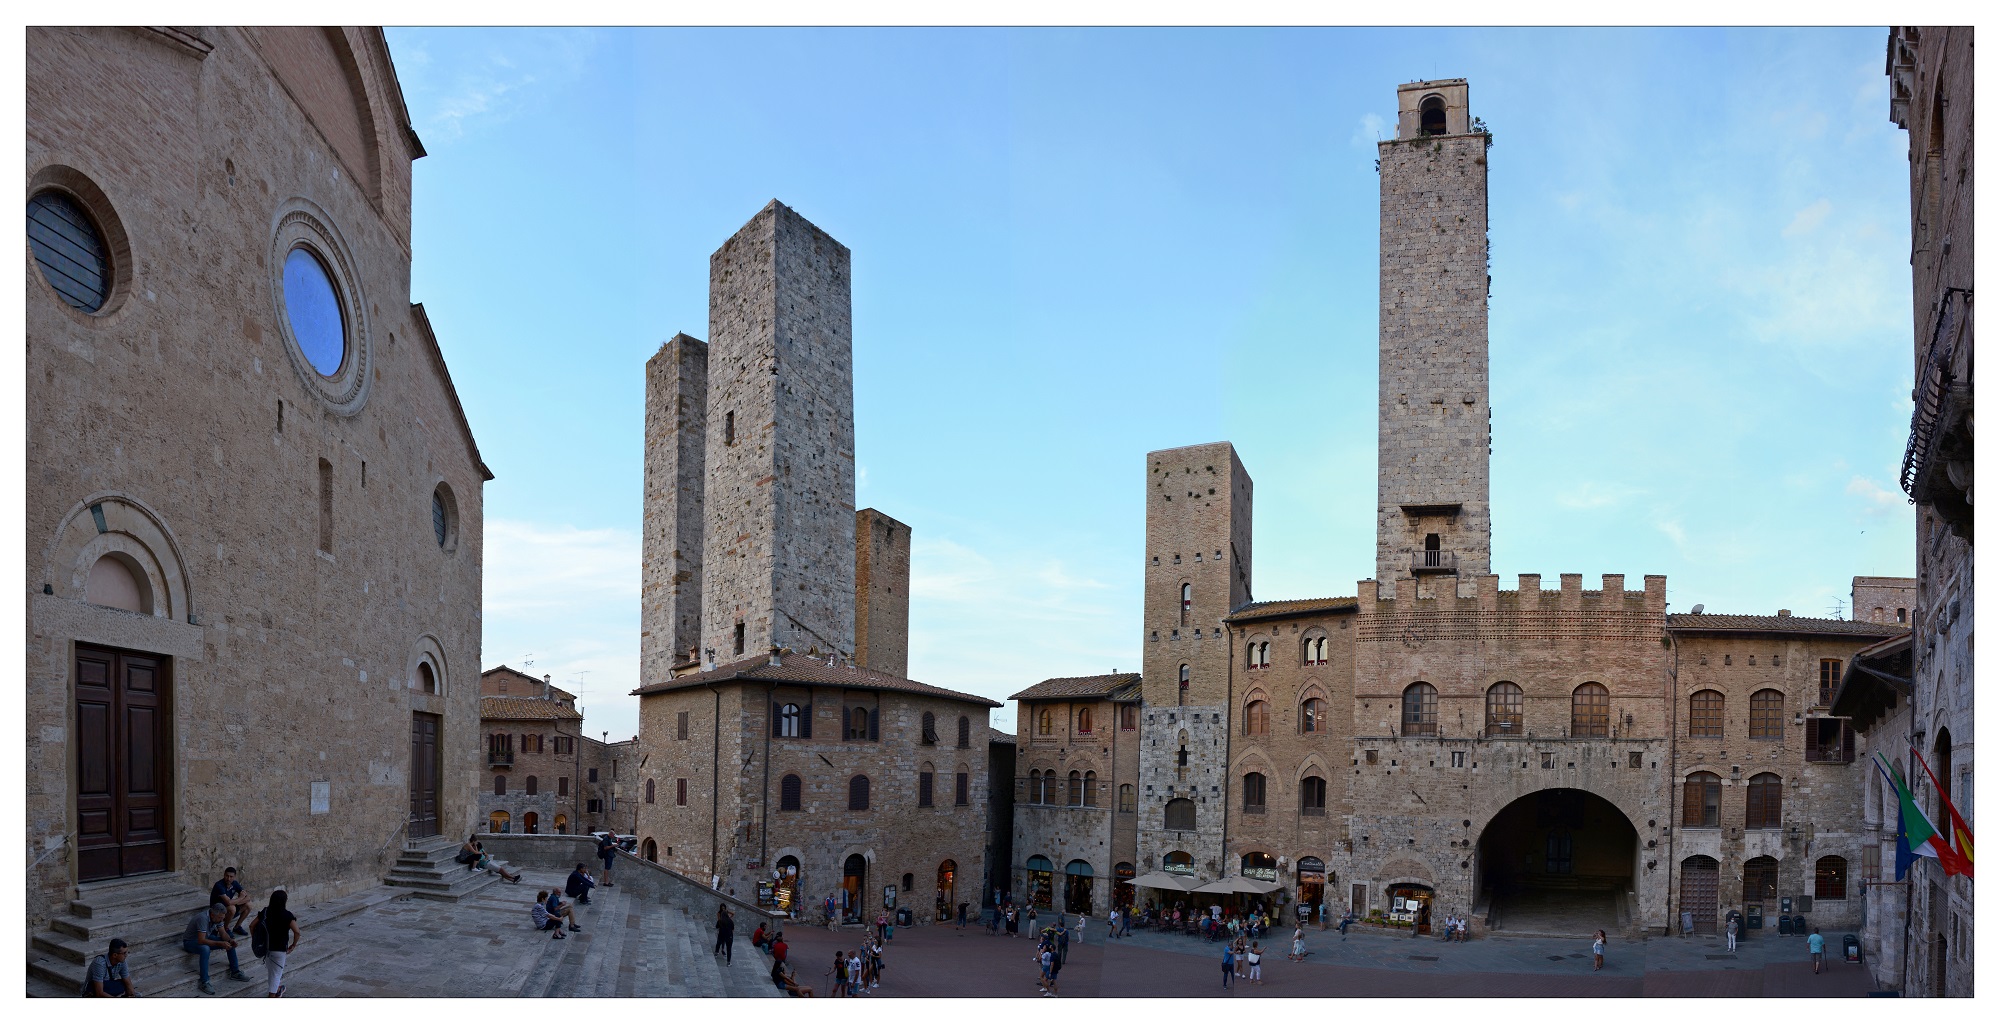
x,y
1435,437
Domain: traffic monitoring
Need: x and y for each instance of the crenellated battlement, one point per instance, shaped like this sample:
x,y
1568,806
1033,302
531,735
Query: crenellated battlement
x,y
1408,594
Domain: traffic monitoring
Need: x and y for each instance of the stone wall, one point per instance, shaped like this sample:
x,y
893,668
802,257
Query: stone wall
x,y
881,593
1434,442
219,459
630,873
670,570
778,549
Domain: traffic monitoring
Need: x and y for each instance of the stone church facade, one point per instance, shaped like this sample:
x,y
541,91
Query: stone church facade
x,y
253,502
1438,743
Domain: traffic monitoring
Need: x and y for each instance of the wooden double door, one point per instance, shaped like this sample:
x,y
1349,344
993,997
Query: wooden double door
x,y
124,770
423,775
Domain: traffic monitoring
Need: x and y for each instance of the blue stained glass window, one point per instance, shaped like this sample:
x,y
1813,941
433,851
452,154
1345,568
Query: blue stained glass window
x,y
314,311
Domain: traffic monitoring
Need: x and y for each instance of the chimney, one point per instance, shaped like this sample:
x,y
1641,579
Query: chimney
x,y
708,660
774,661
545,696
1783,613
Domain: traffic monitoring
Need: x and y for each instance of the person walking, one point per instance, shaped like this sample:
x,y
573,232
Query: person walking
x,y
725,933
1299,945
1730,930
1597,950
1817,946
1228,965
1325,905
1126,928
1013,921
1256,959
854,972
281,936
1081,920
962,908
1062,943
839,973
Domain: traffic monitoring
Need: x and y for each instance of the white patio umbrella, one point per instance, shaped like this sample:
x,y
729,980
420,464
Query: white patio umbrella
x,y
1240,884
1166,880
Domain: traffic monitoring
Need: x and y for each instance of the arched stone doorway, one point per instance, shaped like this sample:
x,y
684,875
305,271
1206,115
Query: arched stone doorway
x,y
531,823
785,891
947,890
854,884
652,851
1700,894
1041,882
1312,881
562,824
499,821
1557,861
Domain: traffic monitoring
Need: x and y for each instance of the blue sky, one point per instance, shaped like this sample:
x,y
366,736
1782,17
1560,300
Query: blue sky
x,y
1072,247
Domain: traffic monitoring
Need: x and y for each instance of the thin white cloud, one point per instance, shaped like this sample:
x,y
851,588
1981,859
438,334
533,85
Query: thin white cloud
x,y
488,84
1877,500
1807,219
567,600
1368,132
1592,494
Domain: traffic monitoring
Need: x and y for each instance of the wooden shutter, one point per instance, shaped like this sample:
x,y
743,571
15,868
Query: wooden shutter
x,y
874,724
806,719
774,719
964,788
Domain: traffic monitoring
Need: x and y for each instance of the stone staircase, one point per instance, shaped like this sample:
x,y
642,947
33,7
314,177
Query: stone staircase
x,y
150,912
427,869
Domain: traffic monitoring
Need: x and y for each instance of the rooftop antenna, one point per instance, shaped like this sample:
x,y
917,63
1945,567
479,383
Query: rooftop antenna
x,y
1838,607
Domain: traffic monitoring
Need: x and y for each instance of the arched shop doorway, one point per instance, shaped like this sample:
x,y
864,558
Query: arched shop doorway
x,y
1760,891
1312,886
1041,882
947,888
1556,861
1122,892
1076,887
785,888
1410,903
853,886
531,823
501,821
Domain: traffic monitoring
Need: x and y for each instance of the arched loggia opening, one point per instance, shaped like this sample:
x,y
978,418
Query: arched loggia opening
x,y
1557,861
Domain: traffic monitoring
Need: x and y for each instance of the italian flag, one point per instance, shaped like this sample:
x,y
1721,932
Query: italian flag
x,y
1915,833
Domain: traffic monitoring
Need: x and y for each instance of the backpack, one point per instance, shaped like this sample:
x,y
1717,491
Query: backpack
x,y
260,937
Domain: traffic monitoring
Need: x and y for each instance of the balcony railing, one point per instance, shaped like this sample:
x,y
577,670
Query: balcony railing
x,y
499,757
1433,562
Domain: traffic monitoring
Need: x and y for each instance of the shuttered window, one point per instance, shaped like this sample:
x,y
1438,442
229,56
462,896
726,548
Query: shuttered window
x,y
963,795
1705,715
69,250
1767,715
924,789
788,793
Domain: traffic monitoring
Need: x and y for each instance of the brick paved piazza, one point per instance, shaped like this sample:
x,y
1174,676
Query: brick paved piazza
x,y
631,946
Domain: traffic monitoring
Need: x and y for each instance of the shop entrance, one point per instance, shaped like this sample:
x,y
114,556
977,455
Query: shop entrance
x,y
1409,904
1760,889
531,823
1556,862
1312,886
947,878
1122,892
1076,887
1041,882
853,882
785,888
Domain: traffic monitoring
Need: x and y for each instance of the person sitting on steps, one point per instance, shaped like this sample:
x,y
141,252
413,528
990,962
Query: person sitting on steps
x,y
544,921
487,863
207,932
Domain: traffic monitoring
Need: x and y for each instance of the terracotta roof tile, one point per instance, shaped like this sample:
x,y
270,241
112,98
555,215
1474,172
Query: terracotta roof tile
x,y
1111,685
1257,610
526,708
798,668
1780,624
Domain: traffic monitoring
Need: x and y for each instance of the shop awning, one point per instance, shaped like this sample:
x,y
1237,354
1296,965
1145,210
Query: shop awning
x,y
1166,880
1239,884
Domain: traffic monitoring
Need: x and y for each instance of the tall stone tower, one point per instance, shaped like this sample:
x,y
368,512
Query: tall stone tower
x,y
778,553
881,593
1197,571
1435,425
670,573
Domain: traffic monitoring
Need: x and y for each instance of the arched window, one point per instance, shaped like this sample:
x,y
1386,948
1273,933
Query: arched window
x,y
1260,866
534,785
964,732
1764,802
1590,711
1128,798
1184,680
1076,789
1083,721
1430,117
1941,766
649,791
788,721
930,730
1503,709
1767,715
1187,602
1090,789
789,789
1264,654
499,785
857,724
1420,710
1312,796
1045,722
1830,878
1250,655
498,822
857,793
1257,718
426,679
926,785
1705,714
1179,862
1034,786
1253,793
1312,715
1180,815
1701,801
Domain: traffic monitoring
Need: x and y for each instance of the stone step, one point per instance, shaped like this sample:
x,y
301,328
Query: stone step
x,y
471,884
97,899
161,916
161,967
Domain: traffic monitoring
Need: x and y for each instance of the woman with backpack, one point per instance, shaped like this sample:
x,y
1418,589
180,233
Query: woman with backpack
x,y
273,935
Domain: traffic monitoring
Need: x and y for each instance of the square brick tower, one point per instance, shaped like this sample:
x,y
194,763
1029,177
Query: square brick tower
x,y
1435,426
882,593
670,574
778,554
1197,571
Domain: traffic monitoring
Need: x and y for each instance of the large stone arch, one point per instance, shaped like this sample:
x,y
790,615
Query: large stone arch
x,y
1554,859
119,525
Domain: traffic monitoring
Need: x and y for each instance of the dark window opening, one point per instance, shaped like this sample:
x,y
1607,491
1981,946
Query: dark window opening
x,y
1431,117
739,638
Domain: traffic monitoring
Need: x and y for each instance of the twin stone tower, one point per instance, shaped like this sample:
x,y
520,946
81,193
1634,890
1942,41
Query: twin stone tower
x,y
751,541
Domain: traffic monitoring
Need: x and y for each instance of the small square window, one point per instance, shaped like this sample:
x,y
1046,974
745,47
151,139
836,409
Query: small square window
x,y
1458,759
1635,759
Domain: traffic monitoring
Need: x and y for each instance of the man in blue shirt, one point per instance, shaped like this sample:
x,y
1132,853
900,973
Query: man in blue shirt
x,y
1818,946
230,894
